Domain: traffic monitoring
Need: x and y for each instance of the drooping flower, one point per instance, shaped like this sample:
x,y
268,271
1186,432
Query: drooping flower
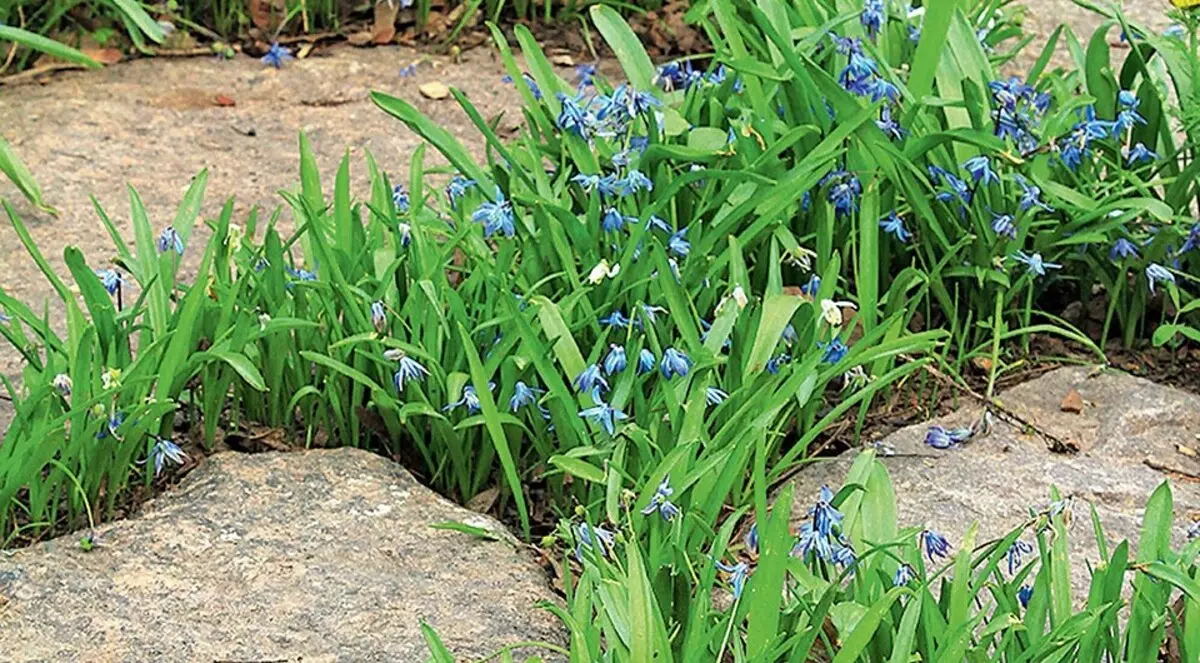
x,y
591,380
523,395
400,198
1138,154
470,399
677,243
616,319
824,515
646,361
496,216
1004,225
844,190
605,415
886,122
574,117
737,577
1016,552
831,311
661,502
812,544
615,361
940,437
634,181
904,575
405,231
894,225
1156,273
714,396
378,317
1024,595
592,537
675,362
584,74
408,70
935,544
843,554
1030,195
276,55
751,539
1193,531
1121,249
614,221
407,369
110,279
872,17
980,168
1193,239
1035,263
776,363
603,270
1128,116
165,450
457,188
62,382
169,240
835,351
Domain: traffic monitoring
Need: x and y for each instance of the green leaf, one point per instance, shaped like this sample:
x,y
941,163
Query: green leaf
x,y
47,46
777,312
15,169
141,19
579,468
243,367
626,45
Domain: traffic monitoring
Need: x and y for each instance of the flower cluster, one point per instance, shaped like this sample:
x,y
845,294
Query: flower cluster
x,y
821,537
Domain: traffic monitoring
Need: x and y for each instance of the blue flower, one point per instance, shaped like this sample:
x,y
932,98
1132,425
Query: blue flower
x,y
894,225
635,181
405,231
1139,153
301,274
614,221
812,544
605,415
616,319
872,17
714,396
1015,553
888,124
980,168
457,188
678,244
523,395
1024,594
835,351
676,76
408,70
940,437
169,240
529,82
111,426
1004,225
914,33
164,450
1030,195
1128,116
904,575
110,279
1193,239
1175,31
593,537
843,554
608,186
661,503
469,398
1155,273
645,361
675,362
1193,531
656,223
824,515
574,118
496,216
737,577
407,369
378,317
400,198
276,56
844,190
584,74
590,379
935,544
812,286
775,364
615,361
751,539
1034,261
1121,249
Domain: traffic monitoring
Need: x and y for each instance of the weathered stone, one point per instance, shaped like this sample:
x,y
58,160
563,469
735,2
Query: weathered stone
x,y
1128,427
325,555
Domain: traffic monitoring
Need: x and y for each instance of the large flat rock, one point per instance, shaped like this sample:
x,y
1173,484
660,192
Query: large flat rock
x,y
313,556
1128,427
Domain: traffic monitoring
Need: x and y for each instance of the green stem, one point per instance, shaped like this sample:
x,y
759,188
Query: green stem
x,y
997,331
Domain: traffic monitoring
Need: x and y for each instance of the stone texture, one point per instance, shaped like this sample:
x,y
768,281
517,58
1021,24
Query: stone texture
x,y
1127,424
314,556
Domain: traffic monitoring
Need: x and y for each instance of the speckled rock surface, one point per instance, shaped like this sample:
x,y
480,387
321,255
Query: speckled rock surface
x,y
313,556
1127,424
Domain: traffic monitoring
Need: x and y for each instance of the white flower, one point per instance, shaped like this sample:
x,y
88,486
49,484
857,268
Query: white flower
x,y
393,354
110,378
832,311
800,257
602,270
739,296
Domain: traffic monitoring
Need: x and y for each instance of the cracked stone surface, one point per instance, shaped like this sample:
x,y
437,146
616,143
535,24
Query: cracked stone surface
x,y
1128,428
313,556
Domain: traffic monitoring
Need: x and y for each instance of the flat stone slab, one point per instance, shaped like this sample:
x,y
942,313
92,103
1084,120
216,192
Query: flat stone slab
x,y
313,556
1128,427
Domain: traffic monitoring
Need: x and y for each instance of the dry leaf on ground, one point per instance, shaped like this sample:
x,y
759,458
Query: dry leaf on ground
x,y
1072,402
435,90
